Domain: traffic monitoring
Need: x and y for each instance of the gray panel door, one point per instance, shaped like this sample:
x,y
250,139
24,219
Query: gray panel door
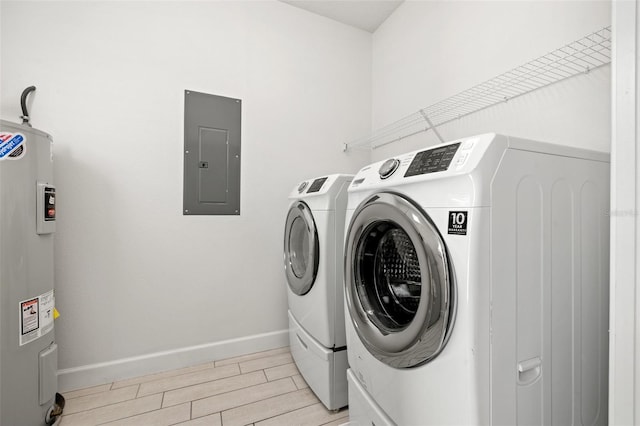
x,y
211,154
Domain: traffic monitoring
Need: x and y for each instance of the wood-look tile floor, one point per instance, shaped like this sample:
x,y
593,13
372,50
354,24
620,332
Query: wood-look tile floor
x,y
261,389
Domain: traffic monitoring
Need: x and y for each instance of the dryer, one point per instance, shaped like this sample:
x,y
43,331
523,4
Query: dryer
x,y
476,278
313,263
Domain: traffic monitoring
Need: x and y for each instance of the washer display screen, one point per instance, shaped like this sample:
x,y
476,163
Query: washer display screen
x,y
432,160
317,185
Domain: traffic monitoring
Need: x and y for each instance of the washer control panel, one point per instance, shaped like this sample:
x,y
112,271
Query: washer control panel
x,y
446,160
317,185
432,160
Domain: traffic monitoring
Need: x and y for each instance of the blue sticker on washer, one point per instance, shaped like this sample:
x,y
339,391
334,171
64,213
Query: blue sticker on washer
x,y
11,145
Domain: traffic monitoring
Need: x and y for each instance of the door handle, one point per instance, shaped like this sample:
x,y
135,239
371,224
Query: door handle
x,y
529,370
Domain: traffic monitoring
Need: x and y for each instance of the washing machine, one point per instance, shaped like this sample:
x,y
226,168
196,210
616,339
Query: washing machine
x,y
313,264
476,281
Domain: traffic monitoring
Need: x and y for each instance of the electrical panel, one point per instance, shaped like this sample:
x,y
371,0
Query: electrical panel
x,y
211,154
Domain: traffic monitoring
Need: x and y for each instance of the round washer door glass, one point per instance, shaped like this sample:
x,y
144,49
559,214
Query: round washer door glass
x,y
301,249
388,260
399,285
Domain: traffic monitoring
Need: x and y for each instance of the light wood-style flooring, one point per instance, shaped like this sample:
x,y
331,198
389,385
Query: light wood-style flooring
x,y
261,389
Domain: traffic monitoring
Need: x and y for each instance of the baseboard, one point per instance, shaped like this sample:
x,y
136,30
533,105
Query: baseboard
x,y
107,372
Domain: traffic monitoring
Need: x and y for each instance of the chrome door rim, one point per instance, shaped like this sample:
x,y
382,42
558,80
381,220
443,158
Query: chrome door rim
x,y
301,285
426,335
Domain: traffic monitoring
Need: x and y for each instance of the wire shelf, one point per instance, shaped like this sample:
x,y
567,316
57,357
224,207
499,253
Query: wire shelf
x,y
579,57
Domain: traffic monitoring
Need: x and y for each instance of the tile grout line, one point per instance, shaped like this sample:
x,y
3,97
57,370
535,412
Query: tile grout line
x,y
281,414
260,400
219,412
186,387
258,369
138,414
318,402
293,363
339,418
194,384
212,363
106,405
168,377
139,385
83,395
229,391
137,396
254,359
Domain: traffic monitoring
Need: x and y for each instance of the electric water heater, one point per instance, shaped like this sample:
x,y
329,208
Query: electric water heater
x,y
28,352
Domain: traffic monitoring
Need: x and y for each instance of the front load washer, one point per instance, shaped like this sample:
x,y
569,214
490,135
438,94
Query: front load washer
x,y
476,279
313,263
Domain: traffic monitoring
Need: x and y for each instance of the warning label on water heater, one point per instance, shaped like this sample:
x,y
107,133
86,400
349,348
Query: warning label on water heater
x,y
36,317
12,146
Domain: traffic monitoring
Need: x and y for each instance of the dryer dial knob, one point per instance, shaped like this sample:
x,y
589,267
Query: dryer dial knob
x,y
302,186
388,167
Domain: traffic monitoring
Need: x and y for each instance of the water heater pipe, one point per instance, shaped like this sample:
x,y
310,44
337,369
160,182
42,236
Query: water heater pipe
x,y
23,104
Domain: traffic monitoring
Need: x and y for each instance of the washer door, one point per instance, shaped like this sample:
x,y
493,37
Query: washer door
x,y
399,283
301,249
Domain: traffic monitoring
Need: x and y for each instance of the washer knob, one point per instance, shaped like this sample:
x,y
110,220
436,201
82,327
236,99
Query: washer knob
x,y
388,167
302,186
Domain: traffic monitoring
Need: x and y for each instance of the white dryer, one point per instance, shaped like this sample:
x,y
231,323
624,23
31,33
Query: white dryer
x,y
313,263
476,277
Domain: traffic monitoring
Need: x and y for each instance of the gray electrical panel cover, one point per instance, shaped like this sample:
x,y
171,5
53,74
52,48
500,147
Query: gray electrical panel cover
x,y
211,154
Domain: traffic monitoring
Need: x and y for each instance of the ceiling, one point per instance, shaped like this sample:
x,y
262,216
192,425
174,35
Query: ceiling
x,y
364,14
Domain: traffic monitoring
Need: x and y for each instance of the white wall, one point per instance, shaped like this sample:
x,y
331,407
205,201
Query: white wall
x,y
135,278
430,50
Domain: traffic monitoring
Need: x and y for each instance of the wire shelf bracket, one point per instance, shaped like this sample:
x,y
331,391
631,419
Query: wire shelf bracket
x,y
576,58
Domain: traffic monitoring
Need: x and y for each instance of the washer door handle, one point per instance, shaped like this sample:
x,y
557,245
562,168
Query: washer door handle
x,y
529,370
